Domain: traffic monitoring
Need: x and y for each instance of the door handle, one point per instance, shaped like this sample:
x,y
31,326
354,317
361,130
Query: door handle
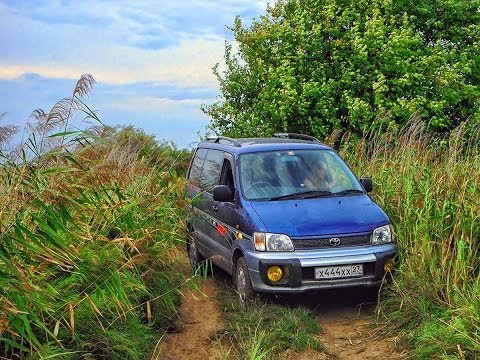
x,y
215,208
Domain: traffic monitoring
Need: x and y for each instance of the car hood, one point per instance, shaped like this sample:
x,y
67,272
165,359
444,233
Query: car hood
x,y
320,216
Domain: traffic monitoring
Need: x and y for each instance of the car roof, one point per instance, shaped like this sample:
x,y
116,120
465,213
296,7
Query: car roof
x,y
248,145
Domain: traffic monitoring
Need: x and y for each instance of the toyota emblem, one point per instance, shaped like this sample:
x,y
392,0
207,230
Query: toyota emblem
x,y
334,241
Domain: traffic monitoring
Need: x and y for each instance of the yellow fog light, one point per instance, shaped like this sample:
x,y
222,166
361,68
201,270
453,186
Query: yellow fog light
x,y
274,273
389,265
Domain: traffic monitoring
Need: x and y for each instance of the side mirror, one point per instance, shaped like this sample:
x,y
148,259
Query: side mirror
x,y
367,184
222,193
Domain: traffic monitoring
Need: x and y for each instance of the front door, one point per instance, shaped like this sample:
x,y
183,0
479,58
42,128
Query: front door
x,y
227,215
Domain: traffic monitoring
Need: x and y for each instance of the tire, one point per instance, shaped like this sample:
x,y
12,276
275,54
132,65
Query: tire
x,y
242,281
196,259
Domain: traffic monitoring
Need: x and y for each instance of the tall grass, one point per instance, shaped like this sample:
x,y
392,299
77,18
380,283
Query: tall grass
x,y
88,220
431,190
263,329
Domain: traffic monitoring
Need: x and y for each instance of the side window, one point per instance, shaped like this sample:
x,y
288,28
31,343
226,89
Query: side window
x,y
211,170
195,175
227,175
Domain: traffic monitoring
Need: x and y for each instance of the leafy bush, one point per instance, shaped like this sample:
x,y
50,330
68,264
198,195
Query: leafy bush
x,y
317,65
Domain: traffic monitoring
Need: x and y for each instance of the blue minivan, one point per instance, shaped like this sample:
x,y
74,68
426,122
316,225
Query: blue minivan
x,y
284,215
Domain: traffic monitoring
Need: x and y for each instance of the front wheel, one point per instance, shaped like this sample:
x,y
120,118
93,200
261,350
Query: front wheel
x,y
242,281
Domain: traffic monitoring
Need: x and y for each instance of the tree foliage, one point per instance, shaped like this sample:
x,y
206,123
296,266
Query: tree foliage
x,y
312,66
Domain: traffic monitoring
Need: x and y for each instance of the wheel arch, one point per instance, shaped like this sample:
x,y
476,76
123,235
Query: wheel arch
x,y
237,254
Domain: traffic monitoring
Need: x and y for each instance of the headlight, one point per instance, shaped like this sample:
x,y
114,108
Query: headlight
x,y
272,242
382,235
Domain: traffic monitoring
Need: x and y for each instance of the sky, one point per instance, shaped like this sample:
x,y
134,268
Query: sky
x,y
152,60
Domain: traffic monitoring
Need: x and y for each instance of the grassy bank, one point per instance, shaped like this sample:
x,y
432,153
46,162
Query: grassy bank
x,y
88,221
431,191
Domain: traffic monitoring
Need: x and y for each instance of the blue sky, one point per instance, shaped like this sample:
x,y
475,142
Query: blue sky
x,y
152,60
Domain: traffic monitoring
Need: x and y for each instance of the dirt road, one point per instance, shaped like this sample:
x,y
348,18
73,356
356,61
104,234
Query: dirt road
x,y
348,327
201,319
348,323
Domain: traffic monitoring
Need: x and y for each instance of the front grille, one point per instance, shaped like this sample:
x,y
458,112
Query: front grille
x,y
324,242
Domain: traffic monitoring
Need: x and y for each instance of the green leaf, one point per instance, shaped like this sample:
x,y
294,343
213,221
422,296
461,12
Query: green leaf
x,y
65,134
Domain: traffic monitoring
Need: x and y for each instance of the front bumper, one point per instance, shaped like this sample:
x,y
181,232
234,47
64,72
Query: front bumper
x,y
300,266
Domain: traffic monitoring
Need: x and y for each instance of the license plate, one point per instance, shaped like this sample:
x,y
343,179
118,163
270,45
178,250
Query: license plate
x,y
332,272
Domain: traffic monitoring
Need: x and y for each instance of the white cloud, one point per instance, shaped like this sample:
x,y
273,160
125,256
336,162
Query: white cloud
x,y
118,42
153,103
153,59
188,64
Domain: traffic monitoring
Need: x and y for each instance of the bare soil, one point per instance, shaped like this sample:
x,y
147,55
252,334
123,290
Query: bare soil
x,y
350,331
201,319
350,334
347,317
348,324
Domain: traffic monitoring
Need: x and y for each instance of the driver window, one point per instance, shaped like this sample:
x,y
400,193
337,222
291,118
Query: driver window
x,y
227,176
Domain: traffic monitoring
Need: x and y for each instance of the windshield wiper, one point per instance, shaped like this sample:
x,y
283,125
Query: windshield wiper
x,y
302,195
348,191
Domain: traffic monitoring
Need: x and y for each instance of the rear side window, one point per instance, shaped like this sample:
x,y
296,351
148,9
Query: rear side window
x,y
211,170
195,175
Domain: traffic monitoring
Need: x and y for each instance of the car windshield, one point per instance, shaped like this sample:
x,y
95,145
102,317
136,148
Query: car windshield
x,y
290,174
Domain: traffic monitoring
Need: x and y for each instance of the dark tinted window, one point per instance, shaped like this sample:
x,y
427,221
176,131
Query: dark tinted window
x,y
227,176
195,174
211,169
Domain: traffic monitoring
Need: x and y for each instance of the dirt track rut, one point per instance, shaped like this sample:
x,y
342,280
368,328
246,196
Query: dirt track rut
x,y
201,319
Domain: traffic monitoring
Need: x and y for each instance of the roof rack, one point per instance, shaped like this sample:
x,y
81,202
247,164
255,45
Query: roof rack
x,y
295,136
217,139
